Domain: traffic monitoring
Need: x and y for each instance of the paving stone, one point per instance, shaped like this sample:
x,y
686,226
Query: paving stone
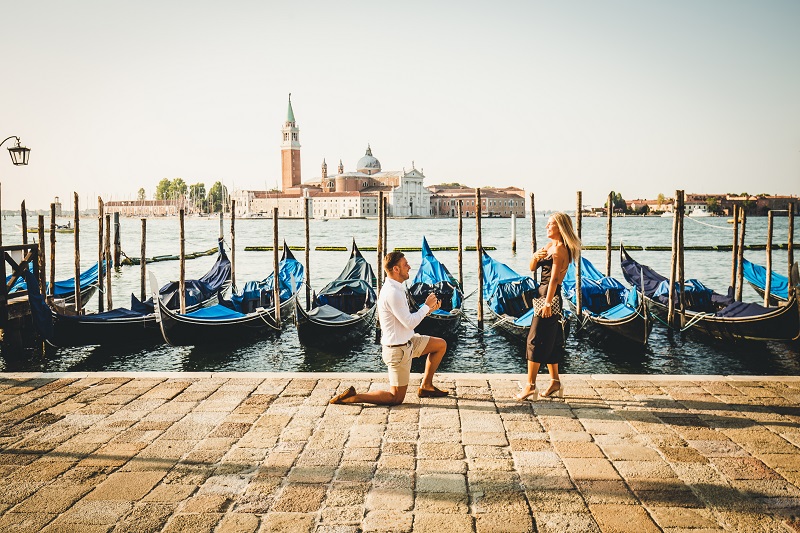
x,y
606,492
387,521
441,523
145,517
556,501
503,522
447,483
675,517
590,469
238,523
199,523
396,499
300,498
25,522
95,512
53,499
621,518
440,503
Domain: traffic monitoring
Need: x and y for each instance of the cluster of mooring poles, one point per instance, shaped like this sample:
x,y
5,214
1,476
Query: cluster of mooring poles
x,y
676,315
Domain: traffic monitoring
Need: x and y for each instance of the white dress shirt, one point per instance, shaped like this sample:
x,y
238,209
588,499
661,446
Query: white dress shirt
x,y
397,321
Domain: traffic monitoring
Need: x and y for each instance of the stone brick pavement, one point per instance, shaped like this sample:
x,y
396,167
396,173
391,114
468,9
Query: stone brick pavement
x,y
266,452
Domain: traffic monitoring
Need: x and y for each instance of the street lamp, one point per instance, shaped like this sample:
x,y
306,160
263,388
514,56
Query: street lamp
x,y
19,154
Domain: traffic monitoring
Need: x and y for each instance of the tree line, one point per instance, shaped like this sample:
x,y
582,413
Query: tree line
x,y
196,195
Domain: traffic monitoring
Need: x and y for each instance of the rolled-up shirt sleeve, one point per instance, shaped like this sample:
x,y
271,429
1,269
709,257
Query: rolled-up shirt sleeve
x,y
399,307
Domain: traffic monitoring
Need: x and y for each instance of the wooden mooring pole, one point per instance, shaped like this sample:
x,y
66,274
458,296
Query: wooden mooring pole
x,y
52,249
77,256
610,214
735,248
182,285
740,257
681,262
385,227
107,259
513,233
460,246
673,268
276,286
578,287
117,242
533,225
379,270
768,287
24,215
100,234
790,254
42,265
479,247
233,245
308,253
143,261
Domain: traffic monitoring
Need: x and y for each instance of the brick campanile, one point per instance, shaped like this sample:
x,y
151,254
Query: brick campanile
x,y
290,151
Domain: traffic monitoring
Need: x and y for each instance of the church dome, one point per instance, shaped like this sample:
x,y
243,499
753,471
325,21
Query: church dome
x,y
368,164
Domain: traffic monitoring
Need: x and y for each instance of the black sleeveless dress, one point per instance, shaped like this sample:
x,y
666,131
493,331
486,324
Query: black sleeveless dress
x,y
545,338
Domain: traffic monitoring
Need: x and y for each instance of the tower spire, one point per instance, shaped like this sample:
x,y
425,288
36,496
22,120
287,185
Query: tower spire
x,y
290,150
290,112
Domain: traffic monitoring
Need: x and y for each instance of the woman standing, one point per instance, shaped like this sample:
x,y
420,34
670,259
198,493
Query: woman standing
x,y
544,339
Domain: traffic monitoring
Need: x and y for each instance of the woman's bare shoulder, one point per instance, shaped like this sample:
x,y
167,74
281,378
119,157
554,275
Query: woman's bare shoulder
x,y
560,252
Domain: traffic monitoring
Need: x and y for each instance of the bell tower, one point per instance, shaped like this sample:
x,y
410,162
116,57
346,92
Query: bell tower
x,y
290,150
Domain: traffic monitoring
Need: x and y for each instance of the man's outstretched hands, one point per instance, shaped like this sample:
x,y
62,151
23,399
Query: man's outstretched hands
x,y
432,302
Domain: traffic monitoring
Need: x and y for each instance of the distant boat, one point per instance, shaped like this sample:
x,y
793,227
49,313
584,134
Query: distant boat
x,y
667,214
697,213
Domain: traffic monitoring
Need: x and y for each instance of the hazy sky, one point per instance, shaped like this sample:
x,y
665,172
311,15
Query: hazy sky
x,y
635,96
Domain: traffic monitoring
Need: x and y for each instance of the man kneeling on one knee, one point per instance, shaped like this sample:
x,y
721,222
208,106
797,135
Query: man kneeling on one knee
x,y
399,343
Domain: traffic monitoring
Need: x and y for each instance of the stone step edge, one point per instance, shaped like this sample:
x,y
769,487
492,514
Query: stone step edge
x,y
380,375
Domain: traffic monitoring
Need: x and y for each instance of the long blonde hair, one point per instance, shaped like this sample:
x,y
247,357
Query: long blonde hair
x,y
571,240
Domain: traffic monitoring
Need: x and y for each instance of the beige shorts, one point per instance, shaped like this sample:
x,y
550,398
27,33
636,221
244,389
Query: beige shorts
x,y
398,359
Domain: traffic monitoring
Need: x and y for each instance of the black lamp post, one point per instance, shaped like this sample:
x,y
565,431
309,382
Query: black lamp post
x,y
19,154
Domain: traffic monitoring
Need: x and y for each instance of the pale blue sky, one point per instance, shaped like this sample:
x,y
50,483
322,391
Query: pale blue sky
x,y
635,96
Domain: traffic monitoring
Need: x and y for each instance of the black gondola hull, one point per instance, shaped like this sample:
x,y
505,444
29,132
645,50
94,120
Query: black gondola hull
x,y
141,331
445,327
182,330
632,330
780,324
330,335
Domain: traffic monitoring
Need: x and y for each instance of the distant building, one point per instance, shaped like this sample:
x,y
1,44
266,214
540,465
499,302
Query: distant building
x,y
496,202
145,208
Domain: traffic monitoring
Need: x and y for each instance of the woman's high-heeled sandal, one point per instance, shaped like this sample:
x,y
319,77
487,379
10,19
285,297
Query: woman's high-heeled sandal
x,y
521,397
559,392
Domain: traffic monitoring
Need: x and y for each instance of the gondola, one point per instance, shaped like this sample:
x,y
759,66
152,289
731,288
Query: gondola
x,y
244,316
137,325
611,312
433,276
343,312
756,276
65,289
508,296
713,314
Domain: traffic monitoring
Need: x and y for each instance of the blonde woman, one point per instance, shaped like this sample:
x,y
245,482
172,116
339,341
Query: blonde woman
x,y
544,339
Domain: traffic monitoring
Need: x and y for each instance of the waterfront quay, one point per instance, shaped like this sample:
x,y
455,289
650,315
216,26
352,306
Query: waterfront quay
x,y
246,452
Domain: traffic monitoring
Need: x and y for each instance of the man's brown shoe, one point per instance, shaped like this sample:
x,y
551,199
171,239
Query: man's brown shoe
x,y
351,391
435,393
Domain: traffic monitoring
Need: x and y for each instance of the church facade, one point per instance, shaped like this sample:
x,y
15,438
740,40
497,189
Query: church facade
x,y
345,194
